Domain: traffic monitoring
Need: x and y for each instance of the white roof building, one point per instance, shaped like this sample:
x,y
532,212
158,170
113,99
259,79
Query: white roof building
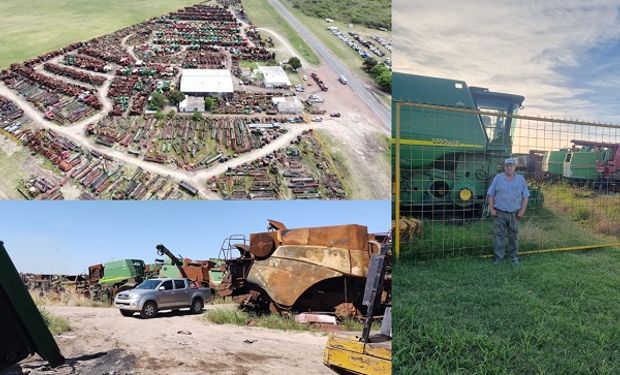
x,y
274,76
206,81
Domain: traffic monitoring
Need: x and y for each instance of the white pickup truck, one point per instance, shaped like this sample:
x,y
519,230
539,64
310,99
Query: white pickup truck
x,y
154,295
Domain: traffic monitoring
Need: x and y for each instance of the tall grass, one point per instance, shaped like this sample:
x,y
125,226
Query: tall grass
x,y
555,314
569,217
599,212
55,323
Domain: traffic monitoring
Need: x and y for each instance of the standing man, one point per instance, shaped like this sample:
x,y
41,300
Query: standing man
x,y
507,197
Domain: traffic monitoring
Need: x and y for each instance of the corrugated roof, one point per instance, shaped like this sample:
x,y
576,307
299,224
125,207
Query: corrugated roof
x,y
274,75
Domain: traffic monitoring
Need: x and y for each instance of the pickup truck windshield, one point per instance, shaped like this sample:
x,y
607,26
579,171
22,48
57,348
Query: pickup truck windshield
x,y
148,284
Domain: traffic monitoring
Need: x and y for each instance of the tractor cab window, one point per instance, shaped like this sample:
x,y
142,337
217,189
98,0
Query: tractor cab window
x,y
494,121
167,285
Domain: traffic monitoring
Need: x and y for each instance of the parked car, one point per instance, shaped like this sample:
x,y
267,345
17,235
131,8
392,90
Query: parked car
x,y
154,295
335,114
317,119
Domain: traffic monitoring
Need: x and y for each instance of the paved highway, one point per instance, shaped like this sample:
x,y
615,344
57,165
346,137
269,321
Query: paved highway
x,y
336,65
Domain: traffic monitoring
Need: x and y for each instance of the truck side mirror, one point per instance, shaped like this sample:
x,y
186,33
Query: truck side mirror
x,y
162,288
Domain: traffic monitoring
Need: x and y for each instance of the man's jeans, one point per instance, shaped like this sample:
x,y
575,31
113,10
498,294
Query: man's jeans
x,y
502,223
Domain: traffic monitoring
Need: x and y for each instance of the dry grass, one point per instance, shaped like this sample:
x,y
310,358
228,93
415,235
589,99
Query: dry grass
x,y
68,298
597,211
56,324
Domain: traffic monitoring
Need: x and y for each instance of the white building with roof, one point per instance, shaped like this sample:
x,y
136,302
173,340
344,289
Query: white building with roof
x,y
274,77
207,82
288,105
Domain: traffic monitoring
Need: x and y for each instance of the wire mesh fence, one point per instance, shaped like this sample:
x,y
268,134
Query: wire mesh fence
x,y
446,158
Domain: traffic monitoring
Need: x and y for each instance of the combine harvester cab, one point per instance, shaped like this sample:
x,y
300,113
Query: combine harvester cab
x,y
24,331
448,153
297,270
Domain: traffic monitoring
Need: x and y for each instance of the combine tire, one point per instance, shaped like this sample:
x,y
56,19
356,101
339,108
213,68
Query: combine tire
x,y
149,310
126,313
197,306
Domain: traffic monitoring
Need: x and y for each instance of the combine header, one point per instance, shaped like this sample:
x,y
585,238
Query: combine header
x,y
297,270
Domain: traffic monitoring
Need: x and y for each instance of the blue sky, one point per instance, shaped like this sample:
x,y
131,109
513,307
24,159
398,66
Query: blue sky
x,y
67,237
562,55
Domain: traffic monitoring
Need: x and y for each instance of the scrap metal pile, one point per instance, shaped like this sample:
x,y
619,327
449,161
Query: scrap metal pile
x,y
9,111
299,171
98,174
40,188
248,103
188,144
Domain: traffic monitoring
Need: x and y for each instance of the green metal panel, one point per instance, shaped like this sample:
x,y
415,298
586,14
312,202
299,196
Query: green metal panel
x,y
120,270
216,275
24,331
582,164
427,135
553,162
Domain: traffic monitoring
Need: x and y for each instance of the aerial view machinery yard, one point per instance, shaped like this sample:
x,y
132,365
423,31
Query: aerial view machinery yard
x,y
199,103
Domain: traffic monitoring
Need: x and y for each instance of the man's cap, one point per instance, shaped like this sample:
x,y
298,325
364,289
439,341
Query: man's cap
x,y
509,161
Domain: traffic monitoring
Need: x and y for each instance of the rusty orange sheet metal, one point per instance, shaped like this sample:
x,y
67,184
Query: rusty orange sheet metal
x,y
293,269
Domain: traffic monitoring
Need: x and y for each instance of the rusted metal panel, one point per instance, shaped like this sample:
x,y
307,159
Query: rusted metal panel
x,y
284,280
350,236
291,270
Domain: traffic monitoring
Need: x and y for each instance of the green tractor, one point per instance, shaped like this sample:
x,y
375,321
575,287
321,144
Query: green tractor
x,y
453,140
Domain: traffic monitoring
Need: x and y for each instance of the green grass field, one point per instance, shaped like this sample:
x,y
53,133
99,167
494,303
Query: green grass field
x,y
349,57
554,314
262,14
33,27
371,13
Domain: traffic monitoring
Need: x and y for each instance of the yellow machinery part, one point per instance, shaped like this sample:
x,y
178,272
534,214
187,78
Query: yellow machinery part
x,y
345,351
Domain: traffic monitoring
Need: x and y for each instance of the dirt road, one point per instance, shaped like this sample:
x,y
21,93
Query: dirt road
x,y
103,342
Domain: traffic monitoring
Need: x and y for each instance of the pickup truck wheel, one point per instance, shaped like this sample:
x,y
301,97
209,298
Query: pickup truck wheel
x,y
149,310
126,313
197,306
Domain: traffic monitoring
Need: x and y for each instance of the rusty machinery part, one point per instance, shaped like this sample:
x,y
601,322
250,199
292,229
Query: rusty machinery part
x,y
163,250
262,245
347,310
275,225
409,228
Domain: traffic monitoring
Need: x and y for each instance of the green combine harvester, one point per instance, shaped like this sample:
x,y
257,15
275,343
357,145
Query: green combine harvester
x,y
123,274
450,152
24,331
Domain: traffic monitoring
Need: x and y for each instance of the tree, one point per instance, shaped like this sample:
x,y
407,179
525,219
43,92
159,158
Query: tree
x,y
209,103
369,63
196,116
159,115
158,100
171,114
379,69
295,63
384,80
175,97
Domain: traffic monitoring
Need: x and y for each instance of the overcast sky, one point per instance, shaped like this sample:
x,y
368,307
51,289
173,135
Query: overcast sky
x,y
66,237
562,55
